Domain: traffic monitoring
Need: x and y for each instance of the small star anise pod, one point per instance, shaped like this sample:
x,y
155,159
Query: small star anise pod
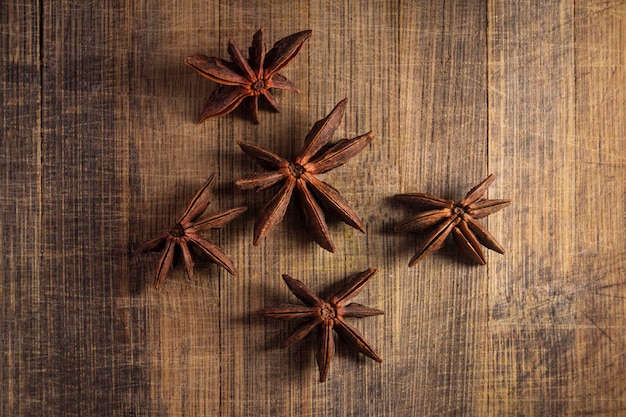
x,y
317,156
327,316
248,78
458,218
186,233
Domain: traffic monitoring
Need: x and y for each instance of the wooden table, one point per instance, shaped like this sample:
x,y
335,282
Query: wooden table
x,y
100,151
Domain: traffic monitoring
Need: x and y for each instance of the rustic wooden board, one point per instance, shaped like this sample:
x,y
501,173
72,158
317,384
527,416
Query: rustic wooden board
x,y
100,152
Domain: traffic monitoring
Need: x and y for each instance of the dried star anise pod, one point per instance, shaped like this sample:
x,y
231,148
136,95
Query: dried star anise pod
x,y
317,156
458,218
247,78
327,316
186,233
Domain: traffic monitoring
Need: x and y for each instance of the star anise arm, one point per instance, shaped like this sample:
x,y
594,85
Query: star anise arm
x,y
216,69
218,220
435,240
252,104
261,181
289,312
483,235
282,83
187,258
321,132
256,53
274,211
199,202
355,339
271,100
154,245
354,287
420,199
284,51
333,201
425,219
263,157
222,101
240,61
478,191
483,208
339,154
165,262
359,310
301,291
468,243
326,349
302,331
213,252
314,219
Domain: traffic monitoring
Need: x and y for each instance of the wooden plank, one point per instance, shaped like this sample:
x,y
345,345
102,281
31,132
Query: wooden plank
x,y
346,58
174,156
598,386
249,376
442,151
89,329
531,113
542,334
21,298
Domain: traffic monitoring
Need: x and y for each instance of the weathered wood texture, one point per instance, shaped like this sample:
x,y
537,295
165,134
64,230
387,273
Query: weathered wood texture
x,y
100,151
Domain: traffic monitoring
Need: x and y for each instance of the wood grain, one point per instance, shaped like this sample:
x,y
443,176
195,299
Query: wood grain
x,y
533,130
100,151
22,297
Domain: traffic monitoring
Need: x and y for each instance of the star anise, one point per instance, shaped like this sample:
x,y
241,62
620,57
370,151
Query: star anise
x,y
247,78
327,315
186,233
458,218
317,156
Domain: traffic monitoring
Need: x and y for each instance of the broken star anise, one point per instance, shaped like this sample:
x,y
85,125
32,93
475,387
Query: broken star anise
x,y
458,218
247,78
186,233
327,316
317,156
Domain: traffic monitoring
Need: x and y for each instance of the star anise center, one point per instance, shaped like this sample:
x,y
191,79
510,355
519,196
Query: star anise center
x,y
296,169
328,312
459,211
258,86
177,231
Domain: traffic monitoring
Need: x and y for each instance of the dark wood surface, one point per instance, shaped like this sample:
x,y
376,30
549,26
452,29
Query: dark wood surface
x,y
100,151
